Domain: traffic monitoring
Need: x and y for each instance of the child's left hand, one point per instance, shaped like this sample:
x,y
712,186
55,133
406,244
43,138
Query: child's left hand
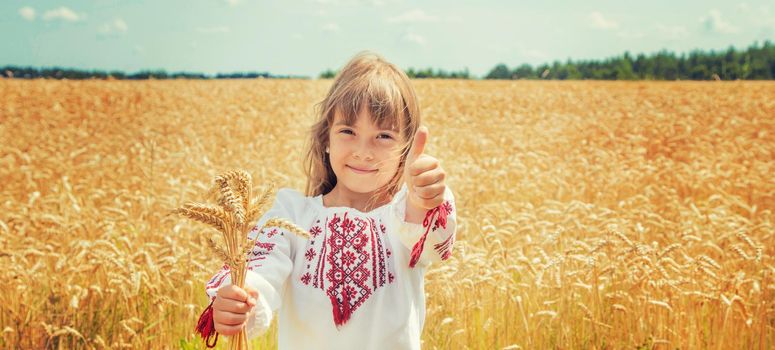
x,y
424,178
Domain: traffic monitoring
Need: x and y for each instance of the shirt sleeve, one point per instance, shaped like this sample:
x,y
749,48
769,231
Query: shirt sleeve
x,y
433,239
269,265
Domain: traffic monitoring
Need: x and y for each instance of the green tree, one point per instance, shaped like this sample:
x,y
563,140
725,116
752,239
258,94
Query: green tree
x,y
501,71
328,74
525,71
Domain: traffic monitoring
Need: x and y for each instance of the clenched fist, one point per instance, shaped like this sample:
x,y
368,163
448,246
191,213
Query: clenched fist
x,y
424,177
232,308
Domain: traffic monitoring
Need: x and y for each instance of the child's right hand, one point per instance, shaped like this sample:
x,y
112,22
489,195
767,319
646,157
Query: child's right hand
x,y
232,308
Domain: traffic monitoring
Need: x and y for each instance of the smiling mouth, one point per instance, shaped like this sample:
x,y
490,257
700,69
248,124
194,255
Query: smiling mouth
x,y
361,171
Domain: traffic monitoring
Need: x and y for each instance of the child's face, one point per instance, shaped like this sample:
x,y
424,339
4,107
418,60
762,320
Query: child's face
x,y
364,156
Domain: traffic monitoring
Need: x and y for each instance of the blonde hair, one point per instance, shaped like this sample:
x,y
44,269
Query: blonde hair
x,y
371,82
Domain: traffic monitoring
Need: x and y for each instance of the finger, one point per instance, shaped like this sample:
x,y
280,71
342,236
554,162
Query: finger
x,y
232,292
422,164
252,291
253,299
232,306
429,203
229,318
429,177
430,191
418,146
227,330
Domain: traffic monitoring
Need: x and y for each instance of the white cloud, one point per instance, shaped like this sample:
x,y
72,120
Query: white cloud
x,y
414,38
62,13
116,26
626,34
120,25
218,29
413,16
715,24
232,2
27,13
597,20
331,27
672,32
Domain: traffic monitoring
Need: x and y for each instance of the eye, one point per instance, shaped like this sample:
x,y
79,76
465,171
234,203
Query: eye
x,y
385,136
346,131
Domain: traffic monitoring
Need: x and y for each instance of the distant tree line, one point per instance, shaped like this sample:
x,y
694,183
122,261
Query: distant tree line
x,y
437,74
417,74
75,74
755,63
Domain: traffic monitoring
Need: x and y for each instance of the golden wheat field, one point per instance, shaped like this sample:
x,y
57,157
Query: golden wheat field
x,y
592,215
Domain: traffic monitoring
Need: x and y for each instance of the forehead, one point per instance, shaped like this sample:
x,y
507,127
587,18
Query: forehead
x,y
365,118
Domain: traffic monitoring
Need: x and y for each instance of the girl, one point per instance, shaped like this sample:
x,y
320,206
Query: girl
x,y
378,212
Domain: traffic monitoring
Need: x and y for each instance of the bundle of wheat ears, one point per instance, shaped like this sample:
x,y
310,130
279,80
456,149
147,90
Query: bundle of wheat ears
x,y
232,216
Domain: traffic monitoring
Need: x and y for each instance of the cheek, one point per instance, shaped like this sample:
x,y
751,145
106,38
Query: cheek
x,y
337,149
390,161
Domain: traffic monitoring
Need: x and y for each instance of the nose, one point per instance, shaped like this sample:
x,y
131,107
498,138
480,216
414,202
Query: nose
x,y
363,155
363,151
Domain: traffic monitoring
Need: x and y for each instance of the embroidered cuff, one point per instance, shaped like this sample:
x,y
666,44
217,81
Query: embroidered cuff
x,y
399,210
436,233
262,312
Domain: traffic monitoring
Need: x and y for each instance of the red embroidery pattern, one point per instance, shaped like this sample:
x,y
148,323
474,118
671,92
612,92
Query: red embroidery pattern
x,y
217,280
348,281
305,278
379,255
310,254
441,212
444,249
259,252
352,262
315,231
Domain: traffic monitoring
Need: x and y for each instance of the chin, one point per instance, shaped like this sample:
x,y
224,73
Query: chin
x,y
361,189
362,186
359,183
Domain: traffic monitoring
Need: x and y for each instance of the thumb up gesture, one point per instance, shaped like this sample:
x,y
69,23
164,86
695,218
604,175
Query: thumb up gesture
x,y
424,177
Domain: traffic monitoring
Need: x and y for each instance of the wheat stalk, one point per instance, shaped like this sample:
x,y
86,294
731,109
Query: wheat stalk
x,y
685,178
235,210
206,218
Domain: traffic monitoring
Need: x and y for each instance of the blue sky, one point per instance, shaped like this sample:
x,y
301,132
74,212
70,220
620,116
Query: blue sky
x,y
305,37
